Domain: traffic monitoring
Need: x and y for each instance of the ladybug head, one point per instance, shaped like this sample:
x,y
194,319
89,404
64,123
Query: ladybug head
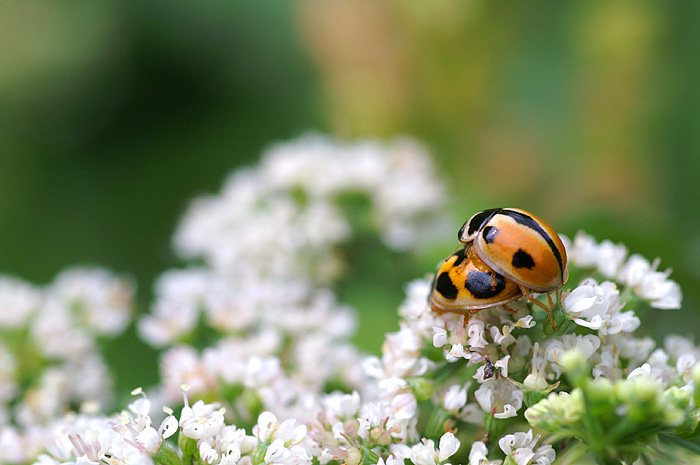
x,y
474,224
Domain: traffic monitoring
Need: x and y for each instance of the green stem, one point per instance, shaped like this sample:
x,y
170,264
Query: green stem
x,y
688,445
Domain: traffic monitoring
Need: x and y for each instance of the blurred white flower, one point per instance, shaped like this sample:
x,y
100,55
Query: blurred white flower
x,y
415,308
646,371
610,258
396,393
650,284
102,300
455,397
179,300
339,406
258,219
9,387
554,349
18,300
401,356
376,421
583,251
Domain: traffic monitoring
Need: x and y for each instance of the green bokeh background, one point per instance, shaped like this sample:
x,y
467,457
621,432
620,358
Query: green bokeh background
x,y
114,114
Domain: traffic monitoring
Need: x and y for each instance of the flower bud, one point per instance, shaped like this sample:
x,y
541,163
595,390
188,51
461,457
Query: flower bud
x,y
167,456
576,365
188,446
421,387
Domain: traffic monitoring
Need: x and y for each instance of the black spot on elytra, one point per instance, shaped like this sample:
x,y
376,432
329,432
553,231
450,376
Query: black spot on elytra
x,y
477,221
522,259
479,284
445,286
489,234
530,223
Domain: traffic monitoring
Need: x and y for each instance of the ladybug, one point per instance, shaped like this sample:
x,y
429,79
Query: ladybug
x,y
465,284
519,246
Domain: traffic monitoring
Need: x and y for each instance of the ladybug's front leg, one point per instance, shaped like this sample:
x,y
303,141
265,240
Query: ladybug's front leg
x,y
526,293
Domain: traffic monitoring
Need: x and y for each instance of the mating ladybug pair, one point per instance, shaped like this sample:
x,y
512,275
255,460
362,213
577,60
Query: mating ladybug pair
x,y
507,253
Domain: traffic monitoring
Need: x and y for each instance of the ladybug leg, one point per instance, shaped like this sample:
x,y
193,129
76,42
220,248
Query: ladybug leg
x,y
465,314
510,309
549,299
526,293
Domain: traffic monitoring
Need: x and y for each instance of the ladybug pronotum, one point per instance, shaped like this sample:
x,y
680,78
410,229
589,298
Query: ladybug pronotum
x,y
519,246
465,284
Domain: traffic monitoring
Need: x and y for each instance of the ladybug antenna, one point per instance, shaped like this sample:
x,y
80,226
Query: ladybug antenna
x,y
452,253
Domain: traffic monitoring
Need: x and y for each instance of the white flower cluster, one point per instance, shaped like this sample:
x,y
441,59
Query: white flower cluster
x,y
520,448
47,342
271,243
128,437
256,334
634,271
286,214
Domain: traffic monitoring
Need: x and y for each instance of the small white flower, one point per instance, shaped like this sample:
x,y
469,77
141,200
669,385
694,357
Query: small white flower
x,y
502,338
287,432
535,379
646,371
424,453
608,364
202,420
477,455
499,398
521,447
207,452
610,258
583,251
526,322
401,356
597,306
399,396
415,307
650,284
455,397
375,419
279,453
676,345
456,352
439,336
475,332
341,406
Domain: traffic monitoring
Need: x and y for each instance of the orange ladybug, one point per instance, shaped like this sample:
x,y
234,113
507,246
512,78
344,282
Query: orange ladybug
x,y
465,284
520,246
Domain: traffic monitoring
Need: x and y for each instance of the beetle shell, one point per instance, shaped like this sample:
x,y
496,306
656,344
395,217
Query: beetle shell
x,y
518,245
465,284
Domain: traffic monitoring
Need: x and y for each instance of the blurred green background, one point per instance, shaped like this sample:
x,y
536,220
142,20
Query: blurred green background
x,y
114,114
